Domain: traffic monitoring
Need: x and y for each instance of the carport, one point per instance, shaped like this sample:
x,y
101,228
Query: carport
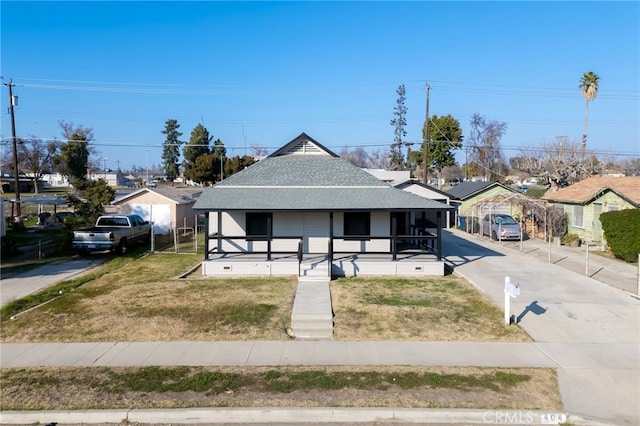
x,y
527,210
45,217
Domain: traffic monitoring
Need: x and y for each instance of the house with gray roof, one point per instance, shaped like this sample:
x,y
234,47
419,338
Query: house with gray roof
x,y
305,210
468,197
168,208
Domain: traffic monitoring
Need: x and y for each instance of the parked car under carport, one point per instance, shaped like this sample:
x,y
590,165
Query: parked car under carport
x,y
501,227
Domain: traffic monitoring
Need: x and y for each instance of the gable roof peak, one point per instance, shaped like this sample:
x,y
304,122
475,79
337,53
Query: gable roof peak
x,y
303,144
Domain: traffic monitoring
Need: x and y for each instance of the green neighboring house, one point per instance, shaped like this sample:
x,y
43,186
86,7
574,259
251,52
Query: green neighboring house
x,y
586,200
468,196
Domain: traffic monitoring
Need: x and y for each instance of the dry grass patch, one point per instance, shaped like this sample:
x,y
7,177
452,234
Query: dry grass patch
x,y
433,309
178,387
143,301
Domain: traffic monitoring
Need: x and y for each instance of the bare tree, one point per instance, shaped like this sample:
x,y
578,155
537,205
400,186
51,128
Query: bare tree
x,y
69,130
36,158
484,145
379,159
258,152
631,167
358,157
559,163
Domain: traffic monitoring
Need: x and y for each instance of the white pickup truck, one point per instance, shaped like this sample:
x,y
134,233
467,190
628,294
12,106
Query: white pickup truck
x,y
113,232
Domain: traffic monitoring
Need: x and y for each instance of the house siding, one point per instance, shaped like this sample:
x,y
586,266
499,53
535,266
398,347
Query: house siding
x,y
590,223
468,207
313,225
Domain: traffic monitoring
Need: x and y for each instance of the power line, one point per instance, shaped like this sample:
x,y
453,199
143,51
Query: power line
x,y
138,144
209,89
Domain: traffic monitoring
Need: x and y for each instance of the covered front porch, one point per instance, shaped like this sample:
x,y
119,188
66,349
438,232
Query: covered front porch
x,y
408,250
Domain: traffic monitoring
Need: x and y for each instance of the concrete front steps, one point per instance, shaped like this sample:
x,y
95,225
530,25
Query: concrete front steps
x,y
312,316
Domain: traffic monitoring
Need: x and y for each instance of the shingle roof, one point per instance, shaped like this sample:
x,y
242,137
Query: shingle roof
x,y
465,190
410,182
308,182
586,190
178,196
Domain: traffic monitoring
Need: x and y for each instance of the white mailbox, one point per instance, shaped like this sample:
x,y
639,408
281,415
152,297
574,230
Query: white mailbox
x,y
510,290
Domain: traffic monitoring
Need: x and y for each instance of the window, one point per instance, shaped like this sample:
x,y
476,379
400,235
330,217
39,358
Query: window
x,y
578,213
258,224
357,224
613,208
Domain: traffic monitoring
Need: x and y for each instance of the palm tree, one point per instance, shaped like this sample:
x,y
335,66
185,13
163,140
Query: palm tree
x,y
589,86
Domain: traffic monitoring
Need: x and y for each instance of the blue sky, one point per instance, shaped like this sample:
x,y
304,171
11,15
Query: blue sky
x,y
263,72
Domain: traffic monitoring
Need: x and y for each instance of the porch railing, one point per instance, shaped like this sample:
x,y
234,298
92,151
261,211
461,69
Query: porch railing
x,y
421,243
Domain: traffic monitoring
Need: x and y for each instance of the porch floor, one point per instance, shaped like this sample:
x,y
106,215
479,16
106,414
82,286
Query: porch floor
x,y
407,263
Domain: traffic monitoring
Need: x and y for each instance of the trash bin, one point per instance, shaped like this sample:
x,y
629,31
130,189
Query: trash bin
x,y
461,222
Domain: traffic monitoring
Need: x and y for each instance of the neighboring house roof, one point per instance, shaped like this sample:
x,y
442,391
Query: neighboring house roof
x,y
589,189
392,176
407,183
465,190
313,179
175,195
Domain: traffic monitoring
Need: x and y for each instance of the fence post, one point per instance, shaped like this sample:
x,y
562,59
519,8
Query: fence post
x,y
586,269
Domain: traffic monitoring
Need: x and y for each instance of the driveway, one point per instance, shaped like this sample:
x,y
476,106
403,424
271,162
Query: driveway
x,y
41,277
589,328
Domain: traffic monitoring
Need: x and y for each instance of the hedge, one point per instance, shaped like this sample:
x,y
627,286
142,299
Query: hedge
x,y
622,231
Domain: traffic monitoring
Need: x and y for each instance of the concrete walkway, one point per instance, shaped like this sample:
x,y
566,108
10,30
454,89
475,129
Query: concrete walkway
x,y
588,330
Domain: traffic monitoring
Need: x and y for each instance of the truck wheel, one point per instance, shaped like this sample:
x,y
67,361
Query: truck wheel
x,y
494,236
122,247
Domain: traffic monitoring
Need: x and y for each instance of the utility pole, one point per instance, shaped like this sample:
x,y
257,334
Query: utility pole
x,y
12,101
425,147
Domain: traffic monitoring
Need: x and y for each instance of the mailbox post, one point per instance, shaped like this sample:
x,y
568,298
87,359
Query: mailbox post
x,y
510,290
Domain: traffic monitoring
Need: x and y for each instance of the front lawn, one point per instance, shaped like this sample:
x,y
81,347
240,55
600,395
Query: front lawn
x,y
142,299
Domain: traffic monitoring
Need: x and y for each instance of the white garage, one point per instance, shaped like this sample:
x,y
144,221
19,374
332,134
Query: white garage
x,y
168,208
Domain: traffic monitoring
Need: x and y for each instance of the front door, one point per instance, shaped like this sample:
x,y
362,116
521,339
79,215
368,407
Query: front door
x,y
596,225
315,231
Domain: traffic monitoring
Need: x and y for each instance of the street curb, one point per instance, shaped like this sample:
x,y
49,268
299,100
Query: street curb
x,y
293,415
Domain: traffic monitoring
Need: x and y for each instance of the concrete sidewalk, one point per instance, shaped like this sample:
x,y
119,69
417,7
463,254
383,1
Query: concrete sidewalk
x,y
275,353
585,329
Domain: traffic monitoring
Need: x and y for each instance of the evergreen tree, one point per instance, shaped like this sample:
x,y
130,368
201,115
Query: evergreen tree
x,y
445,136
399,123
198,145
171,149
